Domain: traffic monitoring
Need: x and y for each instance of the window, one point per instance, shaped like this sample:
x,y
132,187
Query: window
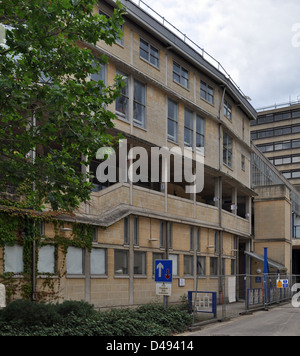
x,y
13,259
180,75
136,231
213,266
46,261
121,262
227,109
227,150
139,104
120,40
162,234
191,238
170,234
149,53
174,259
100,75
95,234
201,265
198,239
74,260
123,101
216,241
98,261
223,265
243,162
188,128
126,231
188,265
207,92
140,259
200,131
172,120
232,266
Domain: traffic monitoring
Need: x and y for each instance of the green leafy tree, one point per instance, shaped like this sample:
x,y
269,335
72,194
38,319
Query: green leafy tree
x,y
53,119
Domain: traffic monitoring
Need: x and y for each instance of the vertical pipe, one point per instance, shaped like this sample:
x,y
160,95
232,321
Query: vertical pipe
x,y
265,273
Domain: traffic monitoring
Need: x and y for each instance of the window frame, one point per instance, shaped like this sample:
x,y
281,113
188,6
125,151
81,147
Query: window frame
x,y
125,96
227,150
207,92
125,268
173,120
181,75
149,53
139,123
104,250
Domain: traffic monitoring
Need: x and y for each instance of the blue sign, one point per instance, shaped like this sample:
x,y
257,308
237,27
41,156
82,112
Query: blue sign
x,y
163,271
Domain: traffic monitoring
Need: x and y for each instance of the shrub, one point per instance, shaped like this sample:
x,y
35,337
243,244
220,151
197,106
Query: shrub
x,y
78,308
27,313
71,318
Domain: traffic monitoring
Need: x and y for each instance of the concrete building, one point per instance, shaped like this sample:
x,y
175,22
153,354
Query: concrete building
x,y
276,133
176,96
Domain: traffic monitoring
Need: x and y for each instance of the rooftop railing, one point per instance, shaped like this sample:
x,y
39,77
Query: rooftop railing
x,y
206,56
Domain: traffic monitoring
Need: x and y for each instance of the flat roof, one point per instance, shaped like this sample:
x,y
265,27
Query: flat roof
x,y
170,39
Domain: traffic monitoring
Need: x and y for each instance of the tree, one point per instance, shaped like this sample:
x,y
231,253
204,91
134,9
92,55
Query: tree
x,y
52,119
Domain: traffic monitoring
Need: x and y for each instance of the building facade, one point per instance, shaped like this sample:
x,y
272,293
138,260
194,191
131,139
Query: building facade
x,y
176,99
276,133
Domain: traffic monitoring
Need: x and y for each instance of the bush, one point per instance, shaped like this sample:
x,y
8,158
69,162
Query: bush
x,y
78,308
26,313
73,318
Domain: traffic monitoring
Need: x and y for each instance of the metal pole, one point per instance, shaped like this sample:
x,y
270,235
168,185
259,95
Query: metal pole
x,y
265,273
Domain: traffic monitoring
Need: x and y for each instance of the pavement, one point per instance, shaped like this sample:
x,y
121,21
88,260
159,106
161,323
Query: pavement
x,y
233,320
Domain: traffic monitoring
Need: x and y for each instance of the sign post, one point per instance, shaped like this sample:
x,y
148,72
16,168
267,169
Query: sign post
x,y
163,278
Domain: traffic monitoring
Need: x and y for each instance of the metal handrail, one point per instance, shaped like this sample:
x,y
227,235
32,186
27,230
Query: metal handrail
x,y
191,43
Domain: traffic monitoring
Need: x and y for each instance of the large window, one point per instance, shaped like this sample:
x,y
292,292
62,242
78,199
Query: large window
x,y
121,262
180,75
98,261
149,53
188,128
189,137
13,259
100,75
227,149
213,266
200,131
75,260
207,92
201,265
174,259
139,104
140,262
188,265
172,120
227,109
122,102
46,260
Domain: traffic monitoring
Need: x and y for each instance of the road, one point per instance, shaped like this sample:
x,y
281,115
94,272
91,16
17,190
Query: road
x,y
279,321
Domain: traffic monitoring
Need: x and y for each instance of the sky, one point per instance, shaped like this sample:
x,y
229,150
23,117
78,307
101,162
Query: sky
x,y
256,41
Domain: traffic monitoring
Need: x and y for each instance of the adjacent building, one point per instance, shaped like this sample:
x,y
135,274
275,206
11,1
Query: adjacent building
x,y
276,133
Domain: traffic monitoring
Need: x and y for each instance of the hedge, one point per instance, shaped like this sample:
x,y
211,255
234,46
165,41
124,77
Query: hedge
x,y
71,318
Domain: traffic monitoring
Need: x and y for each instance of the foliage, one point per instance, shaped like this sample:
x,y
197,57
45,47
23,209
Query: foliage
x,y
78,319
52,119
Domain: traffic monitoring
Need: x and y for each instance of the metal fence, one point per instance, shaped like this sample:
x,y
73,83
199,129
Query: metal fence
x,y
241,294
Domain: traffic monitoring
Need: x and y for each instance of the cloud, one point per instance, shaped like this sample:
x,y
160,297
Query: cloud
x,y
252,39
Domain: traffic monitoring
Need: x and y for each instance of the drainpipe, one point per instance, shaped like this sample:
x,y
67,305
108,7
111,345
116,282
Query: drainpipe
x,y
220,191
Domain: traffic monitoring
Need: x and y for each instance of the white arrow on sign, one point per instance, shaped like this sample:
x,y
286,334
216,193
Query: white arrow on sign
x,y
159,267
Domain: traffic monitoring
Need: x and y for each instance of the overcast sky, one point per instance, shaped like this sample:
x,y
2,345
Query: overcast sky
x,y
256,41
